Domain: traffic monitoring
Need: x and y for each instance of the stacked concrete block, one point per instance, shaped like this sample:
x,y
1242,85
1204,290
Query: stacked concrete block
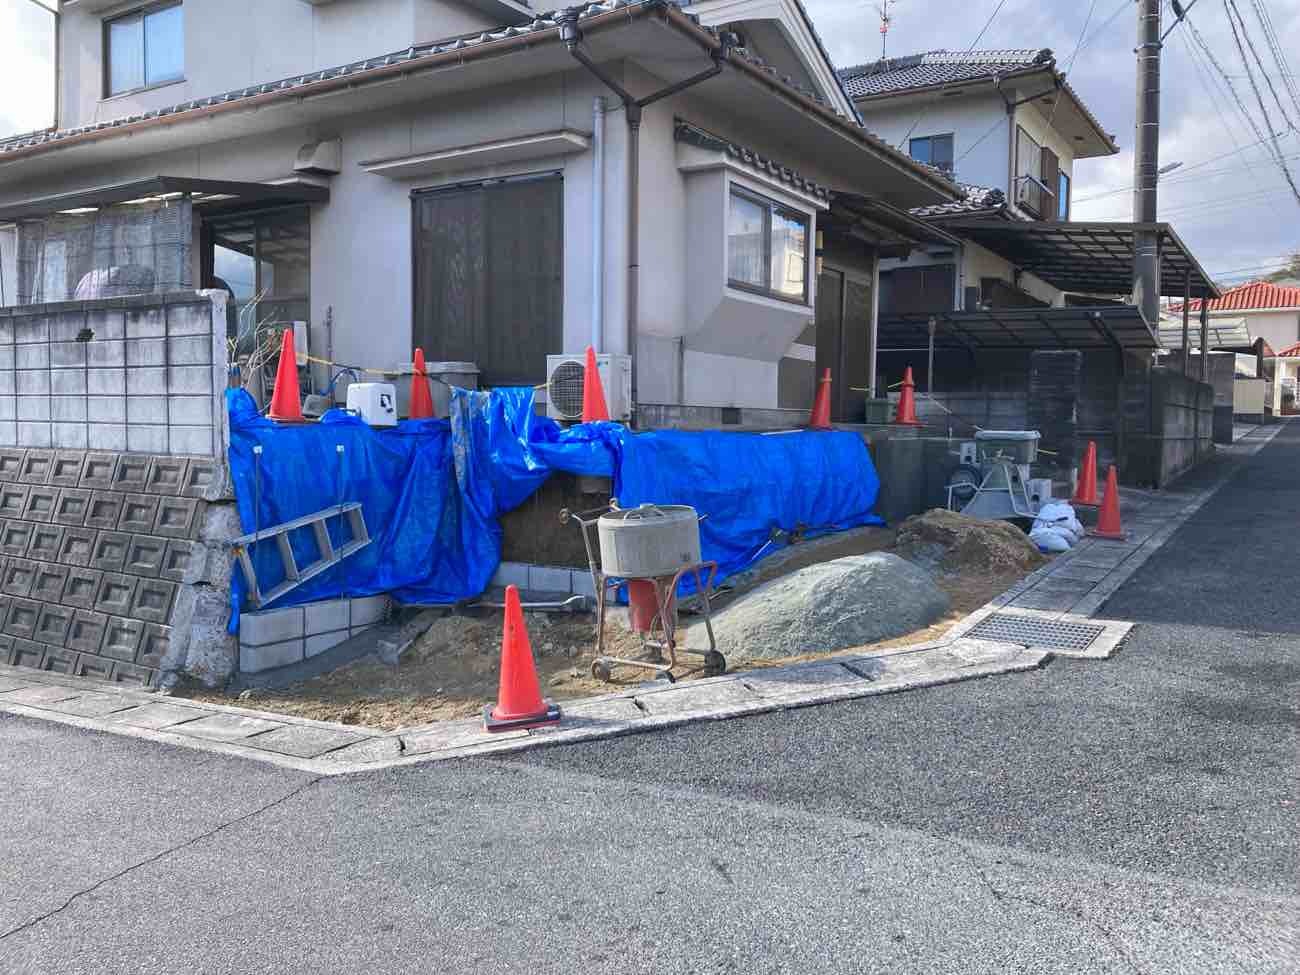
x,y
143,374
280,637
555,579
99,554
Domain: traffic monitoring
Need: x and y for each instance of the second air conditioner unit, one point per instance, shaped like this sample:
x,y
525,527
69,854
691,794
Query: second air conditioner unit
x,y
564,377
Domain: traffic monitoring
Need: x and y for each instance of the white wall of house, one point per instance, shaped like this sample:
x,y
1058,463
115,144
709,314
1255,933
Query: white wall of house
x,y
978,124
1280,329
231,44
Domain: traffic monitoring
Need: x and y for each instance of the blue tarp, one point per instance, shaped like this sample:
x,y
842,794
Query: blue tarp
x,y
432,491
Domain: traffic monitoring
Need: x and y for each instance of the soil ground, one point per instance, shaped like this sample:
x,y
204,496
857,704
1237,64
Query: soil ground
x,y
452,671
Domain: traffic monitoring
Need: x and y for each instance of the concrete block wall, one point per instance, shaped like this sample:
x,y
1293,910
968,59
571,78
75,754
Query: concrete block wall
x,y
113,565
279,637
143,374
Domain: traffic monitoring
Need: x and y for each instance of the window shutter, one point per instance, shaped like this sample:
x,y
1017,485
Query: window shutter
x,y
1051,179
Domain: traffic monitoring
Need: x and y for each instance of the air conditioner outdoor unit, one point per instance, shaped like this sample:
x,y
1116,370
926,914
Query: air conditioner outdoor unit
x,y
564,374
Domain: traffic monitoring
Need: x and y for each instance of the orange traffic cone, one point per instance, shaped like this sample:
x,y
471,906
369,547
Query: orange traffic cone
x,y
594,405
1108,518
421,400
820,417
1085,493
286,404
906,414
519,701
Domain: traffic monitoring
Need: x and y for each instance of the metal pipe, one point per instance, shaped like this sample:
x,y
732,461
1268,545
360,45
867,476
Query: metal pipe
x,y
597,222
1187,311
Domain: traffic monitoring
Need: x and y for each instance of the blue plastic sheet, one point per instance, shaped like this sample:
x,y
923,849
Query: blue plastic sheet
x,y
432,491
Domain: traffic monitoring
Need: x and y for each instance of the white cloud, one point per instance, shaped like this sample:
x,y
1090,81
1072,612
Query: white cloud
x,y
26,67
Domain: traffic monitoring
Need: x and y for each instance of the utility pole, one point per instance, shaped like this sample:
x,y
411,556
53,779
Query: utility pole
x,y
1146,162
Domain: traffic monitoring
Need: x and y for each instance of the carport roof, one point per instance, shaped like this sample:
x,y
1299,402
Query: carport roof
x,y
1099,327
225,192
1093,258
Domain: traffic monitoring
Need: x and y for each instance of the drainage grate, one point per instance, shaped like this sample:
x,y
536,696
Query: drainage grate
x,y
1032,631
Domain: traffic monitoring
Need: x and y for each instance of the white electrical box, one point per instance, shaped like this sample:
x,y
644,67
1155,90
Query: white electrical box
x,y
564,378
376,403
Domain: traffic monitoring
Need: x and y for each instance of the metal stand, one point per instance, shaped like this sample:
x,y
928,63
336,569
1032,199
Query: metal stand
x,y
661,636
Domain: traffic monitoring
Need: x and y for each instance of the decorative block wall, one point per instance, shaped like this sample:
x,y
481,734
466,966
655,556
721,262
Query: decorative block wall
x,y
99,556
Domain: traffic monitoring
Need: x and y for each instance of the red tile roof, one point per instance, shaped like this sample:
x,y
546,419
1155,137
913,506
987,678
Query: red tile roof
x,y
1290,352
1250,296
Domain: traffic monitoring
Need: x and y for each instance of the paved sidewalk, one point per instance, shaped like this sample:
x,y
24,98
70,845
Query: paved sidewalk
x,y
1064,593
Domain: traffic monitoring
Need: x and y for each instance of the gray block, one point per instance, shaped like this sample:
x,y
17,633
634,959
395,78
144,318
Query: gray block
x,y
166,475
52,625
15,537
13,500
192,440
106,323
106,436
48,582
146,409
69,435
98,668
189,350
132,473
369,609
104,511
149,322
177,517
320,642
66,326
34,328
227,727
154,642
144,352
67,409
31,384
65,471
8,406
34,435
124,673
144,555
322,617
36,466
122,638
68,355
34,408
81,588
106,409
32,357
11,463
8,432
271,626
6,649
22,617
183,560
253,660
138,513
304,741
26,653
115,595
19,577
146,439
545,578
190,380
68,383
86,631
107,383
78,546
98,471
511,574
190,410
41,503
110,354
153,600
201,479
71,507
46,543
59,661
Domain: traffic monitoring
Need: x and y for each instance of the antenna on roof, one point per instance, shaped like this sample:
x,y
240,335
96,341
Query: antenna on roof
x,y
886,18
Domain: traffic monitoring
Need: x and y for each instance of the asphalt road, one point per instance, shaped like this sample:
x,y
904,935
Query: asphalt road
x,y
1135,815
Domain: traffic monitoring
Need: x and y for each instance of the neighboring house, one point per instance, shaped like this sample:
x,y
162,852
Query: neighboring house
x,y
1271,312
327,161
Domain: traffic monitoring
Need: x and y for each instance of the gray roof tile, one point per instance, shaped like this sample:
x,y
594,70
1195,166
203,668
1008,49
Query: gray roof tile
x,y
686,132
978,199
937,68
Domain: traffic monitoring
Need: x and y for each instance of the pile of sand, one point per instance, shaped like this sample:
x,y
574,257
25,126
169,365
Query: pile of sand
x,y
947,542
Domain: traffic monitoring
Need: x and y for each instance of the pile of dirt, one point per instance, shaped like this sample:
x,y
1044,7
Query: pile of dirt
x,y
947,542
848,602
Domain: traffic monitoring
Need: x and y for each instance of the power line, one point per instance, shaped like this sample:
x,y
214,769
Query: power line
x,y
1181,179
1070,64
1279,53
1124,5
1212,87
1230,6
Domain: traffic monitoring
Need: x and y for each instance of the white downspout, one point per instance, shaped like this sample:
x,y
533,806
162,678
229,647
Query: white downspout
x,y
597,222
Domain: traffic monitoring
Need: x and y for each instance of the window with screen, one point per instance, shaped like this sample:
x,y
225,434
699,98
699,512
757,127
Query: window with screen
x,y
767,247
933,150
144,48
1029,163
1063,196
489,275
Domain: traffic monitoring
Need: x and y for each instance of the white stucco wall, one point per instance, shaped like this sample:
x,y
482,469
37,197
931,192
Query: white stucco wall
x,y
1279,329
231,44
978,124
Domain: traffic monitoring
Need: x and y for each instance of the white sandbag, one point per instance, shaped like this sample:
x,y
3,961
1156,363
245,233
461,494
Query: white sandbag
x,y
1060,517
1048,539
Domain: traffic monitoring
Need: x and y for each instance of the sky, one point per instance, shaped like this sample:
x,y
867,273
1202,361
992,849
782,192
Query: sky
x,y
1229,201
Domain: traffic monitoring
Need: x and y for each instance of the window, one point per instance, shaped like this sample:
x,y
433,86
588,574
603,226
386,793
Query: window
x,y
263,260
144,48
934,150
767,247
1062,196
488,275
1029,163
